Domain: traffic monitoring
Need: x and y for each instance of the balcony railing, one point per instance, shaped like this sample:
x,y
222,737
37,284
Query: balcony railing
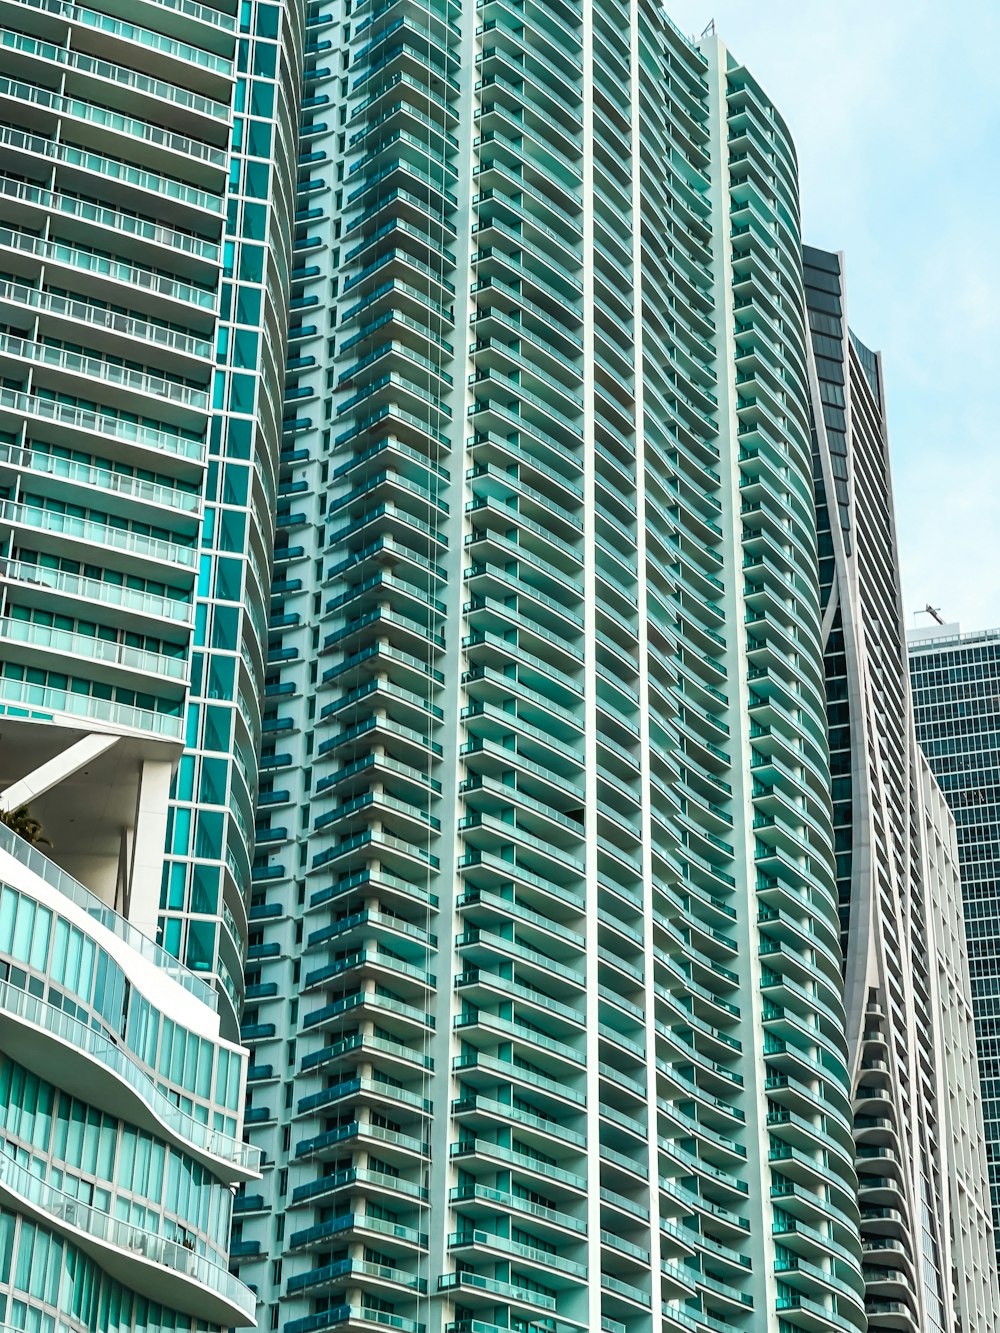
x,y
38,864
95,1044
137,1241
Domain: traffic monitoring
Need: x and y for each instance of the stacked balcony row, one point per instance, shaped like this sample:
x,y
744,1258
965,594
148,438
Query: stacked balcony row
x,y
111,209
518,1251
357,1232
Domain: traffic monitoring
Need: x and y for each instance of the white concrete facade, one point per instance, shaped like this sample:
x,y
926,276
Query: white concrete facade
x,y
973,1253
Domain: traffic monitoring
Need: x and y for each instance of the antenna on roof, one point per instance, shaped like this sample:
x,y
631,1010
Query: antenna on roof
x,y
709,29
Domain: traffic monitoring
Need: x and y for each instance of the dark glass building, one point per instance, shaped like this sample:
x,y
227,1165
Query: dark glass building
x,y
925,1265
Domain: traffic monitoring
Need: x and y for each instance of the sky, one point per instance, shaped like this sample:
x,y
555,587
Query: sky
x,y
895,111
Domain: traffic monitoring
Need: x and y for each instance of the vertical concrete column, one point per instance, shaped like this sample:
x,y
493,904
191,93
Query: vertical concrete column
x,y
143,898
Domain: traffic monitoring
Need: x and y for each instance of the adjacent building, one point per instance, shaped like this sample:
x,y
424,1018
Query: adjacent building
x,y
956,699
145,255
544,983
917,1113
973,1260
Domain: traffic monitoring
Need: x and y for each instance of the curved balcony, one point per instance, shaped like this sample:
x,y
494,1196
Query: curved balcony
x,y
30,641
160,1269
83,1060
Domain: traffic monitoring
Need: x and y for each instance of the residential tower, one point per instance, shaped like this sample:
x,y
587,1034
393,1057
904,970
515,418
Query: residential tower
x,y
142,335
545,990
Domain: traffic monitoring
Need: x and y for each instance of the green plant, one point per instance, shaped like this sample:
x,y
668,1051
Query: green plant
x,y
25,825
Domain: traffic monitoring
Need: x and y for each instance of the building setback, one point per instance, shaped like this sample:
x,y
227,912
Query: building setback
x,y
139,433
957,709
544,985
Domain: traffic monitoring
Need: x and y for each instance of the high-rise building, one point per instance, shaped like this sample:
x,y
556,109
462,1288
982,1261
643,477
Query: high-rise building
x,y
892,1039
956,695
206,889
141,356
545,986
896,883
970,1217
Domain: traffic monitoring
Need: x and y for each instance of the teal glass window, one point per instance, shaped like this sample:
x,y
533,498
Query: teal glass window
x,y
235,485
241,393
208,836
267,21
229,582
264,60
214,775
191,736
248,306
258,142
232,531
255,215
262,98
185,777
205,893
218,728
182,831
175,892
201,946
246,346
225,625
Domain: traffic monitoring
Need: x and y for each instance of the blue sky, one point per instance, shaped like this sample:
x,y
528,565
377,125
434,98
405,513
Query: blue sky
x,y
896,117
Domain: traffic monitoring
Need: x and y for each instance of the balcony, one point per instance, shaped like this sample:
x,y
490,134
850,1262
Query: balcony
x,y
83,1060
160,1269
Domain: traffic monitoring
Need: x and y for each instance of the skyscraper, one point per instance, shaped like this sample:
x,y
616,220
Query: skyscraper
x,y
970,1217
205,893
134,510
957,710
887,952
896,882
545,986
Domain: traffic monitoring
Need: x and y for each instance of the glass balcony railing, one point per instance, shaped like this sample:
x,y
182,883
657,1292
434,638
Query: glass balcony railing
x,y
102,318
101,423
111,594
90,530
130,224
153,40
93,1043
112,653
110,168
93,367
103,478
38,864
18,696
105,69
145,1246
129,126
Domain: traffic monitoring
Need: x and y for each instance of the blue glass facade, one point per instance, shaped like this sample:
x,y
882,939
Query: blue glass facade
x,y
146,180
205,897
